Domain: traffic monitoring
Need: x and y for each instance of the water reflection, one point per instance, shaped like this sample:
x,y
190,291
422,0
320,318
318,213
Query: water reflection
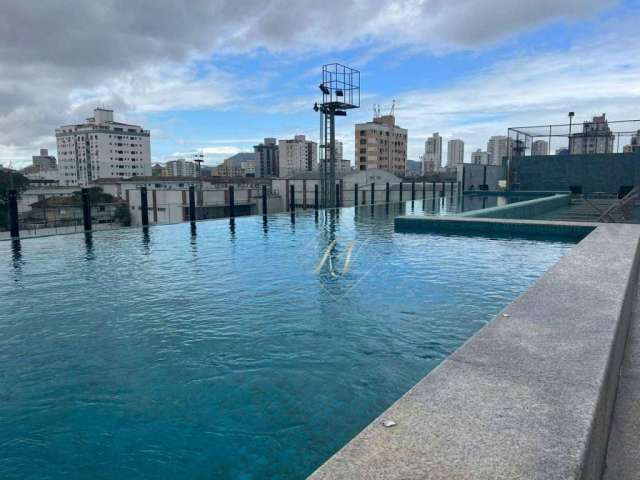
x,y
16,256
232,229
88,244
265,226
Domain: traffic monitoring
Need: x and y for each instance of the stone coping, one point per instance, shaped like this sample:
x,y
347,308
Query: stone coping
x,y
530,396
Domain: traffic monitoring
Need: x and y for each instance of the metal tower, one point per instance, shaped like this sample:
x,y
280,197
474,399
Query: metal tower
x,y
340,89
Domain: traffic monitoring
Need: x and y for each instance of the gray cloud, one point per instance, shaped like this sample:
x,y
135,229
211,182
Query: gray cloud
x,y
57,59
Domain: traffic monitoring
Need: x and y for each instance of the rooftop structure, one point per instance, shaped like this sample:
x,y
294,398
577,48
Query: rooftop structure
x,y
598,136
340,89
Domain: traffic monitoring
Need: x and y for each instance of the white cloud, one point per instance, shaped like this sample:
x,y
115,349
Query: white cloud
x,y
148,59
600,75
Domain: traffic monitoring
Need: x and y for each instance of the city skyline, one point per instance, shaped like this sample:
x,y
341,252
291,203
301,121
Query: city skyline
x,y
223,103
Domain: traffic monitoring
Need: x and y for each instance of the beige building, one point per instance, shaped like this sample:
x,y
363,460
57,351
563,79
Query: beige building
x,y
596,137
381,144
297,155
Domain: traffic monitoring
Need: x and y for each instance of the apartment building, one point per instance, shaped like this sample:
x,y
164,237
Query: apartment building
x,y
180,168
455,153
381,144
267,158
102,148
297,155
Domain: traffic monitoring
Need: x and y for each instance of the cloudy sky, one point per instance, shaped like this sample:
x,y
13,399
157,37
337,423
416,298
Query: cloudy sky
x,y
221,75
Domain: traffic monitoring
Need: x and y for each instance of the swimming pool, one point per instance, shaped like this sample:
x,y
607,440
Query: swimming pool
x,y
229,354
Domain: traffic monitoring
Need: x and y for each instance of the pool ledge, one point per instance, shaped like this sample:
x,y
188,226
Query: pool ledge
x,y
530,395
494,226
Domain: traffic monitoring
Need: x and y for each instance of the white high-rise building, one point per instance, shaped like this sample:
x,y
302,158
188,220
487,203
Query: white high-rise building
x,y
540,147
297,155
479,157
381,144
180,168
432,159
498,149
102,148
455,153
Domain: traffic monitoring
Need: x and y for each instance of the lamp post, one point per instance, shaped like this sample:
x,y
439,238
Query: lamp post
x,y
571,114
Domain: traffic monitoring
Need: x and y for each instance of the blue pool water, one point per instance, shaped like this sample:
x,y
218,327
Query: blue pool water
x,y
224,355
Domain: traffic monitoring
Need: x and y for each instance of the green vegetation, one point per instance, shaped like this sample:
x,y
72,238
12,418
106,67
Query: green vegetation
x,y
122,215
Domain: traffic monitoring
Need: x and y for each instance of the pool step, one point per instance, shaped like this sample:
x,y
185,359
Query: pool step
x,y
623,451
588,211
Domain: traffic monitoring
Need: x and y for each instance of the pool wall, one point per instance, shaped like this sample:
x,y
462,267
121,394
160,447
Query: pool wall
x,y
494,227
524,209
531,395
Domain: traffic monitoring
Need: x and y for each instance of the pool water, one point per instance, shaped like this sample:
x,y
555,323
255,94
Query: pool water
x,y
228,354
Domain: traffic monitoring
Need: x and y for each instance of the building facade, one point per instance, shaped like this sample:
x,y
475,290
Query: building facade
x,y
540,147
634,144
44,161
381,144
479,157
102,148
297,155
455,153
596,137
267,158
180,168
432,159
498,149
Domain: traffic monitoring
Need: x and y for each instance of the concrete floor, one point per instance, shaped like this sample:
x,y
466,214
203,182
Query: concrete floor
x,y
623,451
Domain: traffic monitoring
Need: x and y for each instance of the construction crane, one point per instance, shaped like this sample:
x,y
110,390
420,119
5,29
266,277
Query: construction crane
x,y
393,107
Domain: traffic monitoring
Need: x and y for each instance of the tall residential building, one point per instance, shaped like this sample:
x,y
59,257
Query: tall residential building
x,y
596,137
297,155
102,148
180,168
267,158
479,157
44,161
498,149
432,158
381,144
455,153
540,147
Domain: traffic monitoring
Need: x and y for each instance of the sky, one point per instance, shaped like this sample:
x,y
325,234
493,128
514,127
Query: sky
x,y
219,76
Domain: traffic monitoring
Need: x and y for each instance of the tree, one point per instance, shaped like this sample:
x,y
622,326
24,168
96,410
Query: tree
x,y
122,215
9,180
